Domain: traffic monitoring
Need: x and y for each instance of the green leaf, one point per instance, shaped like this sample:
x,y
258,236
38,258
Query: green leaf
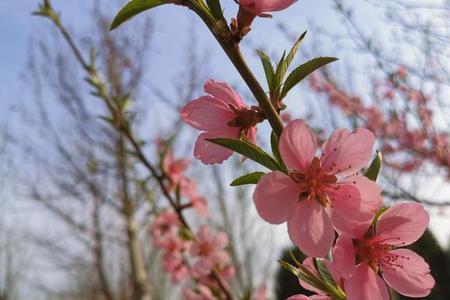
x,y
251,178
281,69
289,267
268,70
133,8
323,271
303,71
215,9
374,169
249,150
294,49
275,150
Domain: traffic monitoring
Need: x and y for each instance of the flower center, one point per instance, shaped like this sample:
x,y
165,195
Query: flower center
x,y
246,118
312,182
376,254
205,249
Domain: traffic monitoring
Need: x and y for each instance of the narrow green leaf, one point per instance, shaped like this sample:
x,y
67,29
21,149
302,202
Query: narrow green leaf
x,y
289,267
294,50
215,9
133,8
251,178
281,69
249,150
374,169
378,215
268,69
303,71
274,141
323,271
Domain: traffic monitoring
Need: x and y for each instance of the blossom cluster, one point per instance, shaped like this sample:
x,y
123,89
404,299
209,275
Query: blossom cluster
x,y
400,115
320,194
187,255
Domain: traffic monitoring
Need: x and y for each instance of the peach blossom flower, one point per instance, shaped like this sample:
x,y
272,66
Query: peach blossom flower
x,y
209,251
379,253
319,193
220,114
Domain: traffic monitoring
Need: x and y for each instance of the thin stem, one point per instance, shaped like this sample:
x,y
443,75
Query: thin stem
x,y
120,123
234,53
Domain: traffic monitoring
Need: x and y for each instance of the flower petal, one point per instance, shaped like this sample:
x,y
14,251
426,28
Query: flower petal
x,y
343,262
345,152
310,229
358,195
364,282
207,114
410,275
297,145
402,224
210,153
313,297
308,263
223,92
275,197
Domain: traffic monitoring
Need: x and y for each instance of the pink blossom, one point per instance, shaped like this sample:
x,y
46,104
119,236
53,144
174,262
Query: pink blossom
x,y
174,168
220,114
261,293
319,193
199,204
166,225
209,251
260,7
402,269
173,258
313,297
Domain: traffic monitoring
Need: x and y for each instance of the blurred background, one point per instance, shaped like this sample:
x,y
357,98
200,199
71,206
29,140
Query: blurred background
x,y
64,229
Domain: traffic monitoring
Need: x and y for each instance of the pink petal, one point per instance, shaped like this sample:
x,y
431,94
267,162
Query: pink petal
x,y
297,145
308,263
310,229
275,197
402,224
271,5
410,275
223,92
345,153
314,297
364,282
207,114
251,135
343,262
210,153
358,195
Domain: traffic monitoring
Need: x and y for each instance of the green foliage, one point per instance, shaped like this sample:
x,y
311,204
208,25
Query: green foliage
x,y
268,70
216,9
249,150
274,144
302,71
133,8
251,178
278,90
286,283
374,169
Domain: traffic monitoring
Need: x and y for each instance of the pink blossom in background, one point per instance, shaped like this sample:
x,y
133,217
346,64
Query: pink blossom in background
x,y
220,114
401,269
165,226
319,193
260,7
209,251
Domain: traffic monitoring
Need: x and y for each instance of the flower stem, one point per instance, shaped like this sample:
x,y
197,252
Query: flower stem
x,y
234,53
